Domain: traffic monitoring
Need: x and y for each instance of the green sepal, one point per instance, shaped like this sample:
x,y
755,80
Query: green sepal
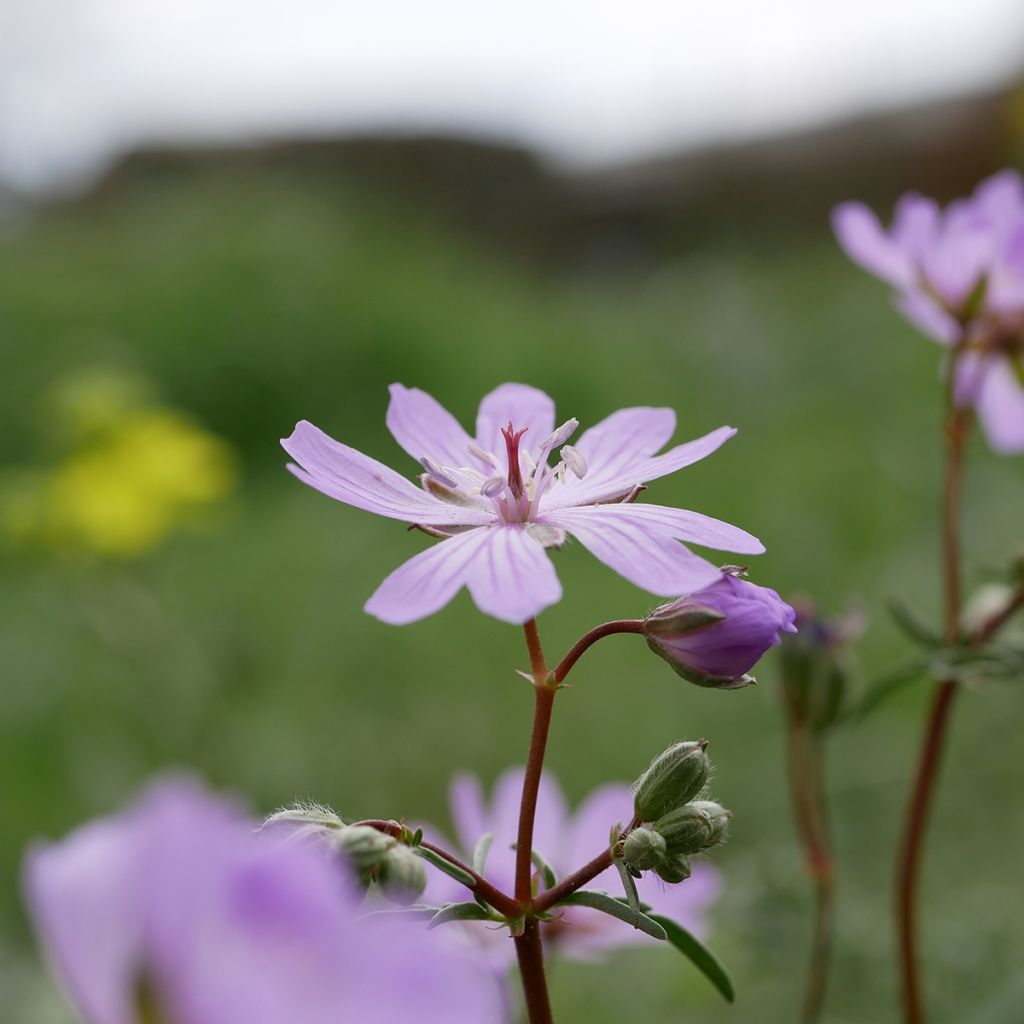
x,y
445,865
461,912
547,872
616,908
698,954
480,851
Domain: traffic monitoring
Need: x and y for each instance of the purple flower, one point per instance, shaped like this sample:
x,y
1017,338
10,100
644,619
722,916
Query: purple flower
x,y
715,636
177,909
959,277
497,503
567,841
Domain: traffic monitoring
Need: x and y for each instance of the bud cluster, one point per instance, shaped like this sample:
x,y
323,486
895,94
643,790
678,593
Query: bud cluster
x,y
676,821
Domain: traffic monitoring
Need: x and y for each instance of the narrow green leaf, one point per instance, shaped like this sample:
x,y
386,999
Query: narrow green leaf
x,y
445,865
483,847
911,624
890,684
459,912
615,908
547,872
414,910
698,954
632,896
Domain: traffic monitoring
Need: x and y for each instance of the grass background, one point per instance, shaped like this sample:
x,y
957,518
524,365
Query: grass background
x,y
254,298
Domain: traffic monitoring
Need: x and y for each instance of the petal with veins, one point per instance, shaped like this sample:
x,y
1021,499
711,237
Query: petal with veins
x,y
428,581
349,476
693,527
511,577
523,407
641,551
422,426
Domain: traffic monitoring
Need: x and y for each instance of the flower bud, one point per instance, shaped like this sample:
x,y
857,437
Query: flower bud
x,y
715,636
719,819
674,869
365,846
819,675
674,778
644,849
686,829
402,876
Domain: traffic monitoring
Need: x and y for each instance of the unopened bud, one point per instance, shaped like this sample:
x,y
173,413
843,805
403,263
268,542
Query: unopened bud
x,y
674,778
718,817
675,869
302,820
686,829
365,846
644,849
402,876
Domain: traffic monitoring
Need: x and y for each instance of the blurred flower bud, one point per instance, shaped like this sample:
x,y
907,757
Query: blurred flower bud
x,y
365,846
674,778
715,636
986,603
402,876
303,820
644,849
819,674
674,869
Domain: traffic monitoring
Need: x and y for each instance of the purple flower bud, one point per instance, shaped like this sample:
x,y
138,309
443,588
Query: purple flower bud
x,y
715,636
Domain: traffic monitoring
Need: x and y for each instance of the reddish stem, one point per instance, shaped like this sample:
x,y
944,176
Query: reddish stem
x,y
586,641
958,424
530,953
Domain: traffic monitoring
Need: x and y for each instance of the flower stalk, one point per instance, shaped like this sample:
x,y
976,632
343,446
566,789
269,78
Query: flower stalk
x,y
957,431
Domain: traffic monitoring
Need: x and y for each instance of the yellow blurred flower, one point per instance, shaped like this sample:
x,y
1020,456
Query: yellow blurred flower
x,y
125,489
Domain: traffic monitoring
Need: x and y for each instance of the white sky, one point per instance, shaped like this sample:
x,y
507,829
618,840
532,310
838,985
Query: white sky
x,y
585,82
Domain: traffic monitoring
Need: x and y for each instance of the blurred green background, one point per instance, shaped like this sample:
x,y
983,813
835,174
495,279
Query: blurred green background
x,y
227,635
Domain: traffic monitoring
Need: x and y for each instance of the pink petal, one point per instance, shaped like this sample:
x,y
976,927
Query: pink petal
x,y
511,576
1000,407
523,407
624,439
916,226
636,548
428,581
927,316
866,243
588,491
422,426
343,473
695,528
469,814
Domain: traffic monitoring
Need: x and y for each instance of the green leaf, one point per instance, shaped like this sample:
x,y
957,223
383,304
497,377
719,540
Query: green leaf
x,y
445,865
547,872
698,954
911,624
890,684
483,847
460,912
413,910
616,908
632,896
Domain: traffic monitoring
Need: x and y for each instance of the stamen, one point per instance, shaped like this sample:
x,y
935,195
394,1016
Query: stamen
x,y
437,472
574,460
561,435
515,473
493,487
478,453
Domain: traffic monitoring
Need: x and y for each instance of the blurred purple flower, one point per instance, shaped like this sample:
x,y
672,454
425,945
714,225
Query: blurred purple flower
x,y
175,911
959,277
497,503
715,636
566,841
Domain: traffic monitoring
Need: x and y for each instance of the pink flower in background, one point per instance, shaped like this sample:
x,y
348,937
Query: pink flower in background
x,y
566,840
959,277
175,911
497,503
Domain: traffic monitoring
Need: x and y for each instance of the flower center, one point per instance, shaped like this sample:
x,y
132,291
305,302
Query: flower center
x,y
515,472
